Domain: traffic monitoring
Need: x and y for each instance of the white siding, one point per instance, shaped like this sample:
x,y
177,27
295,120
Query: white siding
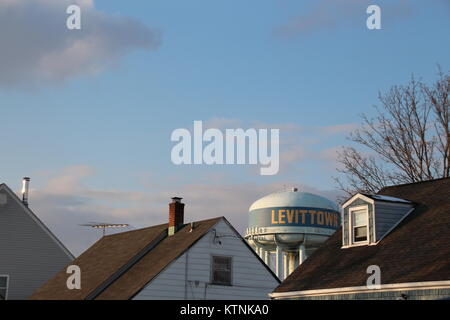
x,y
250,278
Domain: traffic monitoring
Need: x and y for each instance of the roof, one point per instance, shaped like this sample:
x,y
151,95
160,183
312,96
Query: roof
x,y
118,266
417,250
372,198
379,197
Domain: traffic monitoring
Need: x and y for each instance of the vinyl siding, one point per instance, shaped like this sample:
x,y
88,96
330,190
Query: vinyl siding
x,y
28,254
387,215
429,294
250,279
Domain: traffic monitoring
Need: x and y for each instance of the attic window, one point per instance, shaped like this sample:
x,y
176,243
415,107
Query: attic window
x,y
3,287
359,225
3,199
221,270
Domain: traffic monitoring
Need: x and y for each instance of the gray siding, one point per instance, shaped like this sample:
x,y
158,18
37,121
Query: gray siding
x,y
188,277
387,215
28,254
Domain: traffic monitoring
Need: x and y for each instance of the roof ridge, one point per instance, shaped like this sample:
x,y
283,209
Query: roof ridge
x,y
140,229
410,183
158,225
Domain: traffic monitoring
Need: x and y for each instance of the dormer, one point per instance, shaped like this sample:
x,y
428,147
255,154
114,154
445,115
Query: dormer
x,y
367,219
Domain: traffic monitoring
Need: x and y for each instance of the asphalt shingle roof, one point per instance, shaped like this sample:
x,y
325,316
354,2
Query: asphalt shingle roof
x,y
417,250
118,266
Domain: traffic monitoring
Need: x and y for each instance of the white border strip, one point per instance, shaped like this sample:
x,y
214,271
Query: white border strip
x,y
363,289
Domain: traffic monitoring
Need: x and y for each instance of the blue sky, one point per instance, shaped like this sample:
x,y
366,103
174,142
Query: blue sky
x,y
95,138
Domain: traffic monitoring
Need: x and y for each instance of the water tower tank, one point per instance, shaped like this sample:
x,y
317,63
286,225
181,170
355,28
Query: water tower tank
x,y
290,225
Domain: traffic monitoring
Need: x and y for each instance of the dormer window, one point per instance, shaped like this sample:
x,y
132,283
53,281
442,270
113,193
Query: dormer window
x,y
359,224
367,219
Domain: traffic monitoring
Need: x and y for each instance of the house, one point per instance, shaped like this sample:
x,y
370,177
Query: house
x,y
207,259
400,236
30,254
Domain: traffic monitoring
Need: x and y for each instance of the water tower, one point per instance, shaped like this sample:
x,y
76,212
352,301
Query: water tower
x,y
290,225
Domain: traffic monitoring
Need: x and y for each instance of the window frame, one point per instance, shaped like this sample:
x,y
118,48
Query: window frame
x,y
7,285
212,270
3,199
352,241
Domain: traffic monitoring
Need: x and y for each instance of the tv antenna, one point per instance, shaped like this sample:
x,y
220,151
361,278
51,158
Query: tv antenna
x,y
104,225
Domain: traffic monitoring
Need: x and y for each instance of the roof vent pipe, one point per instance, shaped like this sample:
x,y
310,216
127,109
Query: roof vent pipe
x,y
25,190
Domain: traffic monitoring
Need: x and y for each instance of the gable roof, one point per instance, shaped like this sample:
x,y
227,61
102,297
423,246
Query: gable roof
x,y
38,221
118,266
372,198
417,250
142,272
379,197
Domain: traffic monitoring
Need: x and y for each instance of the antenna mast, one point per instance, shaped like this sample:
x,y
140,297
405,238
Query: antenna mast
x,y
105,226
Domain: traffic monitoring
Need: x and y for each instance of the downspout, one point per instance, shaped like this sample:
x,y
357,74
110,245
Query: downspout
x,y
186,275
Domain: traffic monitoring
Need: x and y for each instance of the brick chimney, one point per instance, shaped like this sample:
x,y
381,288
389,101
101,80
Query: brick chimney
x,y
176,215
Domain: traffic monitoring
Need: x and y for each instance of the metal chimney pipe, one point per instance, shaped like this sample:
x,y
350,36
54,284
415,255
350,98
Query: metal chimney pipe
x,y
25,189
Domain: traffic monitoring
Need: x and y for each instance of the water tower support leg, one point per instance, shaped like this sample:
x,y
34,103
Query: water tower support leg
x,y
285,265
279,263
301,254
292,263
262,253
267,258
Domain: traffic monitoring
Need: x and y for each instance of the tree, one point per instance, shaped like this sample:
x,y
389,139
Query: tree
x,y
408,140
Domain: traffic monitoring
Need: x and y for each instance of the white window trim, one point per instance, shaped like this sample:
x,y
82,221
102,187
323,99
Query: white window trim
x,y
426,285
357,196
352,243
7,284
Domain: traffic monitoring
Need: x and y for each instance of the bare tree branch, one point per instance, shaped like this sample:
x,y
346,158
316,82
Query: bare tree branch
x,y
409,139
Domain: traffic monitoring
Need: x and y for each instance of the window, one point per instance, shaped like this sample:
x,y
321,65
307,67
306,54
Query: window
x,y
3,287
3,199
221,270
359,225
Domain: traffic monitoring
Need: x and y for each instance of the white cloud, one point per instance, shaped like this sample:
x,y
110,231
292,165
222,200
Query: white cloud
x,y
297,144
68,179
38,49
332,14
